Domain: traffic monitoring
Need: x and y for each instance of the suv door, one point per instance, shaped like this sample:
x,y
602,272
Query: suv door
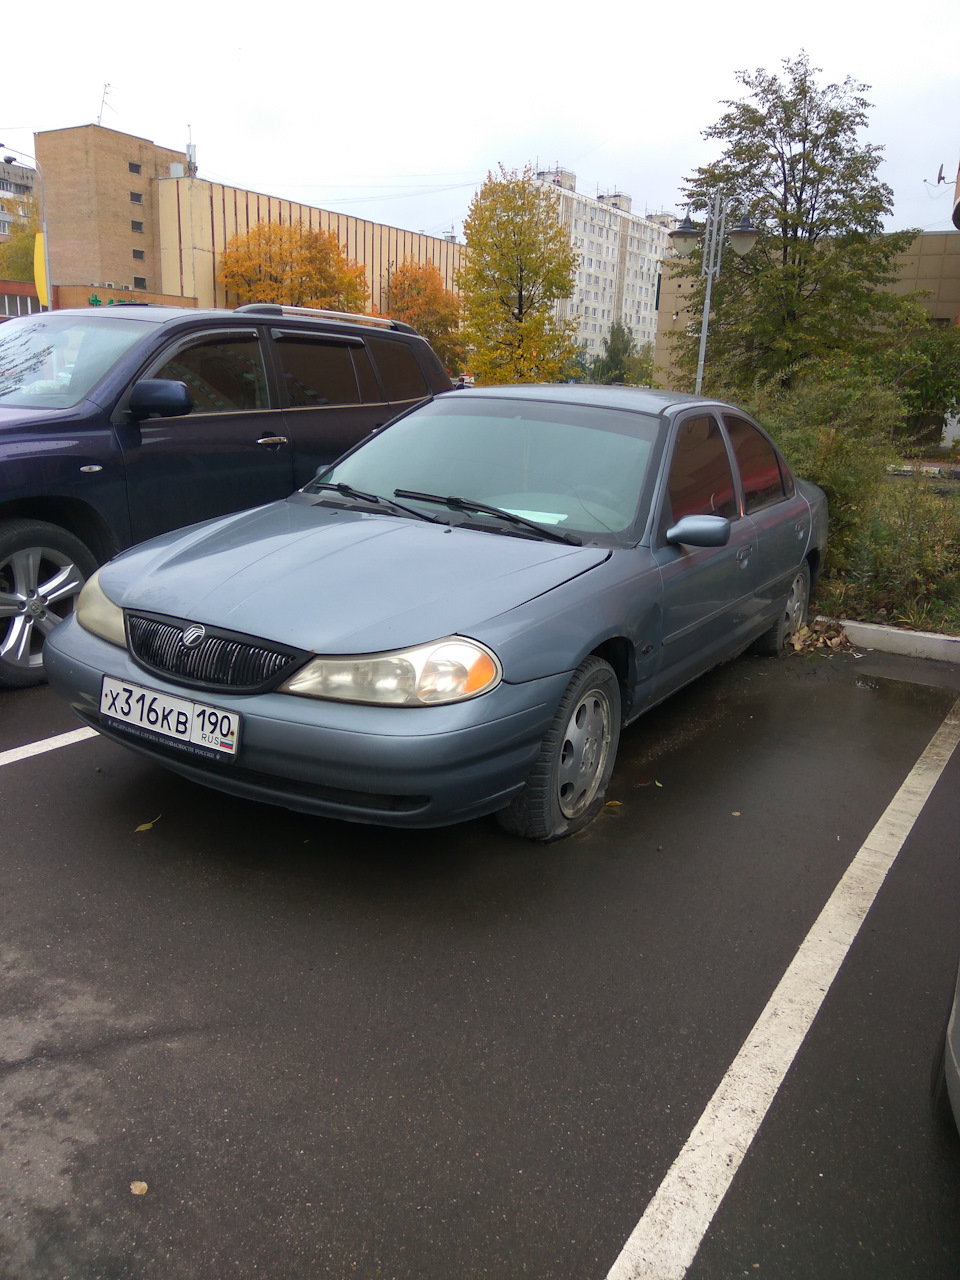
x,y
229,453
331,396
708,592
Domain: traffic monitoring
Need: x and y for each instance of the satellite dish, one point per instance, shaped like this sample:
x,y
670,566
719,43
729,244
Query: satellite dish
x,y
940,177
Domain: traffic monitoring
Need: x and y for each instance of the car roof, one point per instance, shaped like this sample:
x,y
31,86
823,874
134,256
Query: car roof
x,y
152,314
634,399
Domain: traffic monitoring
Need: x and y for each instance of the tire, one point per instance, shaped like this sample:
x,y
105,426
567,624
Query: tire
x,y
42,569
566,786
792,617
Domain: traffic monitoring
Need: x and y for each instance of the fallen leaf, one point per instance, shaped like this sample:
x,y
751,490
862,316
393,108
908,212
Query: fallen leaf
x,y
146,826
613,804
735,813
659,784
138,1188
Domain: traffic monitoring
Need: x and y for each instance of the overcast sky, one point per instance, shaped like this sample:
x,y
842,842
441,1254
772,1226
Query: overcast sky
x,y
395,111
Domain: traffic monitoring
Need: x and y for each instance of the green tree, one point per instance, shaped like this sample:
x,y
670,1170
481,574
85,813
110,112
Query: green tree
x,y
618,349
293,265
923,364
812,287
417,296
519,265
16,254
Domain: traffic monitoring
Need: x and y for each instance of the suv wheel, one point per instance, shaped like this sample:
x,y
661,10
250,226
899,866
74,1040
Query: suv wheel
x,y
42,569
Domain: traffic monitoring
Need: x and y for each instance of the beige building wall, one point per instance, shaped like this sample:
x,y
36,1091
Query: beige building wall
x,y
198,218
96,199
931,264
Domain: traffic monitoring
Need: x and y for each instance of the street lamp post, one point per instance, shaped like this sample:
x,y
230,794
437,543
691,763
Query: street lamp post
x,y
43,219
685,237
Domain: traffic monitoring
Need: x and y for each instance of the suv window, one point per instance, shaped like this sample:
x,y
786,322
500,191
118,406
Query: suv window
x,y
224,374
318,373
401,375
757,460
701,483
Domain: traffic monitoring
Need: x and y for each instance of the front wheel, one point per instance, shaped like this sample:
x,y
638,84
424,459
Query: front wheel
x,y
791,618
42,569
566,786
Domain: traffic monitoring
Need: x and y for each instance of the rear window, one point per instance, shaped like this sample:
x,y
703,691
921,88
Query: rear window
x,y
757,460
400,374
318,373
53,362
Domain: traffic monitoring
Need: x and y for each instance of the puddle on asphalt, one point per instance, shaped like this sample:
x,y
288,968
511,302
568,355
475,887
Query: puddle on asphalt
x,y
906,693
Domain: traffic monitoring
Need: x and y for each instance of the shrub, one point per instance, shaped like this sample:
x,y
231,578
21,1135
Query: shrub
x,y
836,429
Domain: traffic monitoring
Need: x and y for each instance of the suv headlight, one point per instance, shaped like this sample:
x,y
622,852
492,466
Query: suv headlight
x,y
99,615
448,670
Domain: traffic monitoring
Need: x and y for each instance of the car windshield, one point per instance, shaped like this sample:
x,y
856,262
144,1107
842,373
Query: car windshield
x,y
52,362
573,467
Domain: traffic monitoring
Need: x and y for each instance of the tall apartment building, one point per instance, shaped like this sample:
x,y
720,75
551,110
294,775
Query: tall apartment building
x,y
620,254
16,181
124,214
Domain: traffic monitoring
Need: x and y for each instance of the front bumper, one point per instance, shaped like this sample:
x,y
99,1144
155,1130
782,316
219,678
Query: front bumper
x,y
396,766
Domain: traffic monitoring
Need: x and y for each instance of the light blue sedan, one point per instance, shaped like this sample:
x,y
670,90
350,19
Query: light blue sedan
x,y
460,615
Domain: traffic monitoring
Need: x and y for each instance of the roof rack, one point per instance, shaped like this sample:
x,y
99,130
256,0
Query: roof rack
x,y
275,309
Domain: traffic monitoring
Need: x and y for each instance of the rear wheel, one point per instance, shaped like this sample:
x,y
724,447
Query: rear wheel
x,y
42,569
566,786
792,617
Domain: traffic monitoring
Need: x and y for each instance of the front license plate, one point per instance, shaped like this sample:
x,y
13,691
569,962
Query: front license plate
x,y
181,719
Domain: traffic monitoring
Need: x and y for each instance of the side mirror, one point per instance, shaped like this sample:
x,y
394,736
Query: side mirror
x,y
159,397
700,531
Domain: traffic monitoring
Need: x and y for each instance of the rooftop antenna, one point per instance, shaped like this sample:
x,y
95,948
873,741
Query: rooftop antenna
x,y
191,154
103,102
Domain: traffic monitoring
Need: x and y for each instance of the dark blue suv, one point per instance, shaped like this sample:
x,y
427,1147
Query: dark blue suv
x,y
120,424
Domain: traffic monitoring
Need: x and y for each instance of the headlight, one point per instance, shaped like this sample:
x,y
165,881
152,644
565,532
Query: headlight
x,y
98,614
446,671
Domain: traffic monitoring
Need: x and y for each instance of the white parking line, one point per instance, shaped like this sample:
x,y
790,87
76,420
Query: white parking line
x,y
45,744
666,1239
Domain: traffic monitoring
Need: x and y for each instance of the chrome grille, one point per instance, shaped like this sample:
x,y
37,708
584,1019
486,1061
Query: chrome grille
x,y
222,659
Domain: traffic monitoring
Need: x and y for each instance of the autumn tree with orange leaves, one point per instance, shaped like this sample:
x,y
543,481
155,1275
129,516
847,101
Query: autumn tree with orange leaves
x,y
292,265
416,294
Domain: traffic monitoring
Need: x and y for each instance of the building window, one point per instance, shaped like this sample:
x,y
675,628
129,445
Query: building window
x,y
140,282
136,197
139,255
137,226
133,166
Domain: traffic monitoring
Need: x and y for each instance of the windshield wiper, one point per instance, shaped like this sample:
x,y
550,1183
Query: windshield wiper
x,y
468,504
358,495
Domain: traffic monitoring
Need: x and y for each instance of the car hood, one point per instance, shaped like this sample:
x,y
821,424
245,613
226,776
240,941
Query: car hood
x,y
339,581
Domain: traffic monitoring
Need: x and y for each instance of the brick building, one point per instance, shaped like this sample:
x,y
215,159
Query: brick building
x,y
126,215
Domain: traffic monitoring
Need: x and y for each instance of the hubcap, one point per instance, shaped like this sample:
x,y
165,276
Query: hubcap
x,y
584,752
38,588
796,604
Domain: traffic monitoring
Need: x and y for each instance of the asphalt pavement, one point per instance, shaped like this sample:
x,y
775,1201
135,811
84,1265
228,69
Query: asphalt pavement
x,y
336,1051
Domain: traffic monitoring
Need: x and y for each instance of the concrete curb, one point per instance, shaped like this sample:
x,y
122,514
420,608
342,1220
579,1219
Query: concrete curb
x,y
912,644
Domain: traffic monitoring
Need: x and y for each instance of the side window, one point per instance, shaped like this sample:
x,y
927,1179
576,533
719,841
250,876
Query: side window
x,y
400,374
317,373
223,374
701,483
757,460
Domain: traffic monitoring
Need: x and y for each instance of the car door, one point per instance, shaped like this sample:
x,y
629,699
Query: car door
x,y
780,516
229,453
708,592
331,396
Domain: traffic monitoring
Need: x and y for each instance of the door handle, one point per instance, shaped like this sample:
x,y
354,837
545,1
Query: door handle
x,y
272,442
743,553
